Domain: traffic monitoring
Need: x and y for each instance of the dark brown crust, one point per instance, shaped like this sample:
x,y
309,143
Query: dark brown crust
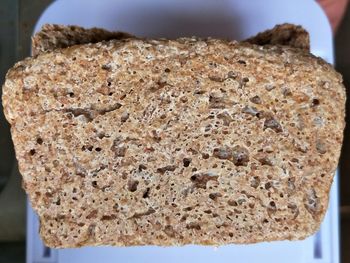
x,y
53,36
284,34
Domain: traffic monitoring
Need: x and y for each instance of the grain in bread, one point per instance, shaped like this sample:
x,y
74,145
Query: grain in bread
x,y
173,142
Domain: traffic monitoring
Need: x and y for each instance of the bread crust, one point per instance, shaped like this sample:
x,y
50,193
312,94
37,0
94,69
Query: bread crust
x,y
284,34
53,36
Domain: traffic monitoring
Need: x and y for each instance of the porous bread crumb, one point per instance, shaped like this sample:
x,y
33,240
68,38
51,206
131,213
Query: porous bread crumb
x,y
158,142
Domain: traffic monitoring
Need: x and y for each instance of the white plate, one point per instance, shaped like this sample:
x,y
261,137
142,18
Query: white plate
x,y
233,19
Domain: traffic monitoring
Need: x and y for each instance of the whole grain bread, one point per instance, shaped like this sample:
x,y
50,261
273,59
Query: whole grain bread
x,y
173,142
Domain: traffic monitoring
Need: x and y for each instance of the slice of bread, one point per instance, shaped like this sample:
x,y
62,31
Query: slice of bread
x,y
173,142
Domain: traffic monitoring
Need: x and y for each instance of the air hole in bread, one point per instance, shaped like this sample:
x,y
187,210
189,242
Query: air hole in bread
x,y
315,102
132,185
214,196
186,162
193,225
146,193
232,203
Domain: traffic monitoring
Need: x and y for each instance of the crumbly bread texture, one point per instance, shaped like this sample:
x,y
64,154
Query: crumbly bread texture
x,y
284,34
173,142
52,36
